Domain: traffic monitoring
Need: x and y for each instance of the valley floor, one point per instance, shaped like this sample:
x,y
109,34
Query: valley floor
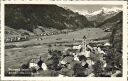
x,y
26,50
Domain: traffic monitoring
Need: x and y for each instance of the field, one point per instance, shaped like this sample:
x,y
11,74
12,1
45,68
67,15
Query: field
x,y
33,48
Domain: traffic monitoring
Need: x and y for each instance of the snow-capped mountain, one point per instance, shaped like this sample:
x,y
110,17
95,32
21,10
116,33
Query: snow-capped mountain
x,y
111,10
106,11
100,15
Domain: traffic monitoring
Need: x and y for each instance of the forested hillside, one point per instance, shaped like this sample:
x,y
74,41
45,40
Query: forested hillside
x,y
30,17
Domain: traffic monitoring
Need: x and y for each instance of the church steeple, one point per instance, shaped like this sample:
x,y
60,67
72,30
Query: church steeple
x,y
84,43
84,37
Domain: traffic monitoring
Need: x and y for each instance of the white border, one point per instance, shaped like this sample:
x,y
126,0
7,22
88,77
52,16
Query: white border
x,y
124,78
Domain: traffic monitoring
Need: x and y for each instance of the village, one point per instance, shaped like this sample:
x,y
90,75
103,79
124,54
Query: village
x,y
54,41
86,59
26,36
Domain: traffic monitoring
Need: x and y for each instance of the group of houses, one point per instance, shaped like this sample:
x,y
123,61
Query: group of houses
x,y
81,60
55,32
16,39
78,61
27,37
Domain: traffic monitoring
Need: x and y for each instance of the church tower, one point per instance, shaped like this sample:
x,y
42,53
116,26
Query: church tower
x,y
84,43
86,52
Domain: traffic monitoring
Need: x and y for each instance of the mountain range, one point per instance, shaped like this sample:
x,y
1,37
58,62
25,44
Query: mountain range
x,y
40,17
36,19
100,15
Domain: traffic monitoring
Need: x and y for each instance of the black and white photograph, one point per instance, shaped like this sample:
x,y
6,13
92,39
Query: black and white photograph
x,y
64,40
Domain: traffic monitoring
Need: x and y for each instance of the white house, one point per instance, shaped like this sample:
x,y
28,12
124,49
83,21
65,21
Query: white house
x,y
77,47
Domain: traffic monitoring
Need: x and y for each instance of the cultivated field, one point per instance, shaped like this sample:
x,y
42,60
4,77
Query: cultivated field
x,y
33,48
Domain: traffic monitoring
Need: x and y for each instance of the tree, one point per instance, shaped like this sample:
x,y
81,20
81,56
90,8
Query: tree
x,y
98,68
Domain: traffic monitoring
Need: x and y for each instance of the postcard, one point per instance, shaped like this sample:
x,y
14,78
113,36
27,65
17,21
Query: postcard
x,y
64,40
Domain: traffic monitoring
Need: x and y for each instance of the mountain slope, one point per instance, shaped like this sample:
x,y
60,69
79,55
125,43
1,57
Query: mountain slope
x,y
30,17
115,25
111,22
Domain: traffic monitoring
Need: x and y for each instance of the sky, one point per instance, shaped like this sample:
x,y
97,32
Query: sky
x,y
89,8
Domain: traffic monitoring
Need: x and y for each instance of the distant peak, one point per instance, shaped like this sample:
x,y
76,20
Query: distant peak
x,y
113,9
103,10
